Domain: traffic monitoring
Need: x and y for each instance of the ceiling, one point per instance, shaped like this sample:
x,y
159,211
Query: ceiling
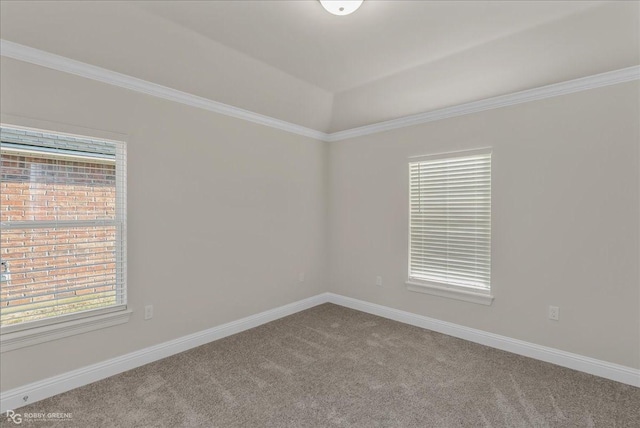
x,y
294,61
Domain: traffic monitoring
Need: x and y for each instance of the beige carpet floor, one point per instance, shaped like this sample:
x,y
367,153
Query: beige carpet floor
x,y
335,367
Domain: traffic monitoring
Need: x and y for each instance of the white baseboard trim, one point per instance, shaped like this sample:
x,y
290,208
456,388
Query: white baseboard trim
x,y
616,372
49,387
46,388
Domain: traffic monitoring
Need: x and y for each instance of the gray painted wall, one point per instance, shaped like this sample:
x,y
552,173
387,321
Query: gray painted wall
x,y
565,215
222,214
242,209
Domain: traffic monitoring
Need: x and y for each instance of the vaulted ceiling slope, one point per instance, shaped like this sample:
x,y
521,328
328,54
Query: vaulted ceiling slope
x,y
293,61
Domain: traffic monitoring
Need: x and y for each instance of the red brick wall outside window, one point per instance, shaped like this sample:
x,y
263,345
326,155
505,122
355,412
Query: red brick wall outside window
x,y
73,267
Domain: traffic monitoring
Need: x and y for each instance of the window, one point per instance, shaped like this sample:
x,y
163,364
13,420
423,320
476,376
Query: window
x,y
450,225
63,246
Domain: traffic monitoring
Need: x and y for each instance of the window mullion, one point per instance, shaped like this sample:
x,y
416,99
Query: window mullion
x,y
63,235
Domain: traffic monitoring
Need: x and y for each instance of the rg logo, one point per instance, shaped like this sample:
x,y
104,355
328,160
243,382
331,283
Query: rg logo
x,y
14,417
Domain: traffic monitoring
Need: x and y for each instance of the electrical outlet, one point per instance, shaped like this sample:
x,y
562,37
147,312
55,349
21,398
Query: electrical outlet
x,y
148,312
554,313
379,281
301,277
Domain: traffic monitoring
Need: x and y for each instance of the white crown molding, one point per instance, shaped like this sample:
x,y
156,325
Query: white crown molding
x,y
36,391
549,91
56,62
60,63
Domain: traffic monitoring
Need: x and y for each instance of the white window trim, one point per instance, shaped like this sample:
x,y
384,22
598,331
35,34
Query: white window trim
x,y
81,322
33,336
480,296
466,294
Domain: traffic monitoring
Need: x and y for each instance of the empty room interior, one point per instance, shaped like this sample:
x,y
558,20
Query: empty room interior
x,y
320,213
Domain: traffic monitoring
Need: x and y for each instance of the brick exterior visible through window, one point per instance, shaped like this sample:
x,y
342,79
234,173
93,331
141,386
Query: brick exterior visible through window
x,y
56,263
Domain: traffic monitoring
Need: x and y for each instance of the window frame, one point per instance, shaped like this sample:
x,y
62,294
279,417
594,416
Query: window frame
x,y
38,331
470,294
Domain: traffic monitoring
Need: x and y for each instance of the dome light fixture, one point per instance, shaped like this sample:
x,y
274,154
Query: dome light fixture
x,y
341,7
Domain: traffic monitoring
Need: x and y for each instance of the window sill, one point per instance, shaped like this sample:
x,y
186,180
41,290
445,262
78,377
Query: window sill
x,y
479,297
46,333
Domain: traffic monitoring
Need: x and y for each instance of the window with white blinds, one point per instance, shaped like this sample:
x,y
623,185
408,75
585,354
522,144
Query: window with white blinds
x,y
63,246
450,220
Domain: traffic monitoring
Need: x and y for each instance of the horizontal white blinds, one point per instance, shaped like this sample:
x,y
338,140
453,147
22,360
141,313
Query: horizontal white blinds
x,y
62,206
450,220
57,143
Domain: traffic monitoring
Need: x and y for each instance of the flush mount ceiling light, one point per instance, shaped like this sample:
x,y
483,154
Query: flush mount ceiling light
x,y
341,7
